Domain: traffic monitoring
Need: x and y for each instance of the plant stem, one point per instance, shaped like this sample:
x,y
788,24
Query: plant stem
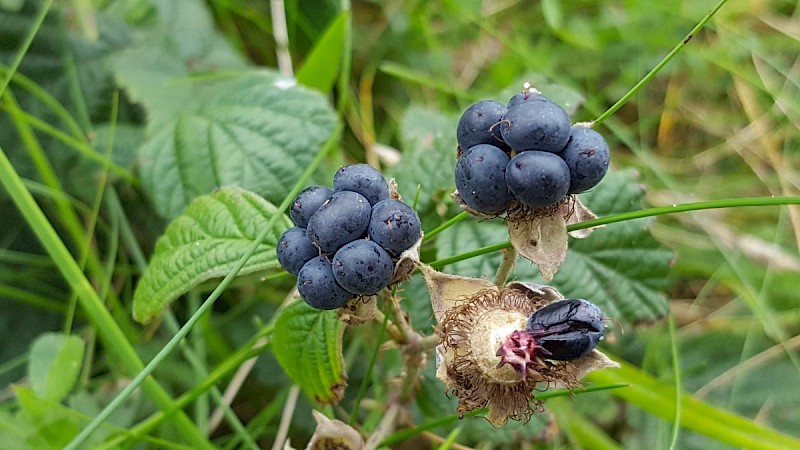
x,y
209,302
286,417
454,220
26,44
281,33
104,323
650,75
383,429
509,257
632,215
362,390
676,373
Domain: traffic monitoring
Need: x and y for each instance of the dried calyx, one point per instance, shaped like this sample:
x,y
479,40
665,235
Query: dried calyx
x,y
488,358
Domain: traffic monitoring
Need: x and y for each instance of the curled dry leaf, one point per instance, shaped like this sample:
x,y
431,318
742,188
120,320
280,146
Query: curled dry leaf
x,y
447,290
541,235
359,310
580,213
393,192
475,318
542,240
460,202
407,263
332,434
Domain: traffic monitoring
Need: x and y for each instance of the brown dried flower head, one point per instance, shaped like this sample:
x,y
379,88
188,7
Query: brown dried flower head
x,y
475,326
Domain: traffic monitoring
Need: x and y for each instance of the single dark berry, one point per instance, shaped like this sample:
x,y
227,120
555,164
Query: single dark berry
x,y
294,249
526,97
318,287
394,226
538,125
362,267
364,179
480,124
343,218
481,179
587,157
538,179
307,202
566,329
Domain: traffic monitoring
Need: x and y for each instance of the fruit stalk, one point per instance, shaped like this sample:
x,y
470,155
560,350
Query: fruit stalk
x,y
509,257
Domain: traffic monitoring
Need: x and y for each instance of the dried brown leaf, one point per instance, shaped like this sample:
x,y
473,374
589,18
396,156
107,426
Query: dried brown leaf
x,y
447,290
334,434
359,310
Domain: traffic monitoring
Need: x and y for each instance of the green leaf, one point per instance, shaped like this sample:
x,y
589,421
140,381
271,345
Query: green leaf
x,y
181,41
255,129
621,267
206,242
308,345
322,64
429,156
553,13
40,423
472,234
55,361
11,5
659,399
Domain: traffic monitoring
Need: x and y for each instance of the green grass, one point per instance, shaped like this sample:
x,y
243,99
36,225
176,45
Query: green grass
x,y
702,99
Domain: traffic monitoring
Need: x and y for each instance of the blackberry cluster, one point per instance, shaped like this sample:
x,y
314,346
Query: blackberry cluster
x,y
526,151
345,240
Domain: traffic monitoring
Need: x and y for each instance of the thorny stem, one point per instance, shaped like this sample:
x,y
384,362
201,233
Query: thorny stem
x,y
414,360
406,333
509,257
414,347
391,328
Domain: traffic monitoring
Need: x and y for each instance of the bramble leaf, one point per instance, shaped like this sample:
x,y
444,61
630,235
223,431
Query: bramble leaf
x,y
429,156
621,267
308,345
55,361
206,242
256,130
468,235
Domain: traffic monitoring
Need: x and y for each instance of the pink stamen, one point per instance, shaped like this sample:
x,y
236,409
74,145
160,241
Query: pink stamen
x,y
519,350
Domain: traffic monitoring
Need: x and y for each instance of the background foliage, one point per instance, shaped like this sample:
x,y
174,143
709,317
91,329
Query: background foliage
x,y
120,117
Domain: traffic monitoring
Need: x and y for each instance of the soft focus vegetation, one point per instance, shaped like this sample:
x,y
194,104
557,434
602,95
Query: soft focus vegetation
x,y
119,118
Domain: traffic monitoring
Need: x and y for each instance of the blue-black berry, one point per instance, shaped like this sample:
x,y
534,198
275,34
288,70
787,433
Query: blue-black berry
x,y
538,179
362,267
566,329
294,249
480,124
343,218
587,157
526,97
318,287
537,125
307,203
394,226
481,179
364,179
